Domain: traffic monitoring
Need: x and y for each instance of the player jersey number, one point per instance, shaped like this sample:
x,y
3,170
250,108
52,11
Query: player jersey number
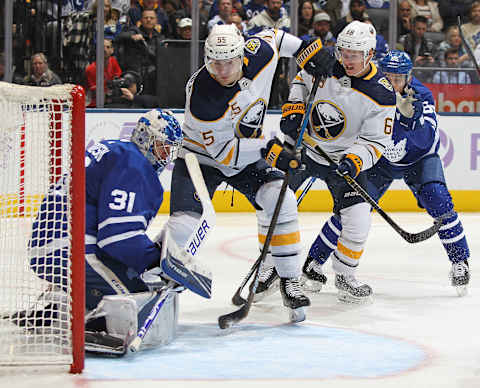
x,y
122,200
388,129
208,138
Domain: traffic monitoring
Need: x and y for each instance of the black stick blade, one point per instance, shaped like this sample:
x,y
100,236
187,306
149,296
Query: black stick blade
x,y
228,320
423,235
237,299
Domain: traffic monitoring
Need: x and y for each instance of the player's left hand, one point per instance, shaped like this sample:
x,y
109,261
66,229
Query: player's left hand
x,y
277,156
351,165
318,65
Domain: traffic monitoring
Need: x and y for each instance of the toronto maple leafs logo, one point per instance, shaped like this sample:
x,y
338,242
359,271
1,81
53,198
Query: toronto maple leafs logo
x,y
251,122
327,120
395,152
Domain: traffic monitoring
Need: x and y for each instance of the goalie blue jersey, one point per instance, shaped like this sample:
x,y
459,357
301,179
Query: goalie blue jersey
x,y
410,145
123,195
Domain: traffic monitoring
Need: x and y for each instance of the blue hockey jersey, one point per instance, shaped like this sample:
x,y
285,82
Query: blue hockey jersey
x,y
408,146
123,195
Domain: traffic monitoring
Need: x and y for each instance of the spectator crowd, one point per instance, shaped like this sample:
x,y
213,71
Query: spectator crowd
x,y
136,33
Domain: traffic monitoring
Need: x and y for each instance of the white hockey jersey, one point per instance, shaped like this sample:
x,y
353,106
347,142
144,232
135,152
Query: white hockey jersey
x,y
223,125
349,114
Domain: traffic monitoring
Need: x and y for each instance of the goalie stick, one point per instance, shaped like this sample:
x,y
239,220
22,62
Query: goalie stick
x,y
409,237
189,271
227,320
467,46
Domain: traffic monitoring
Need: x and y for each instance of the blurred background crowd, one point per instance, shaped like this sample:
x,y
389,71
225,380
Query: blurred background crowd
x,y
145,50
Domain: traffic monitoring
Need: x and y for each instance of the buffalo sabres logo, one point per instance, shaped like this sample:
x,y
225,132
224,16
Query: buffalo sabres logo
x,y
252,45
327,120
251,122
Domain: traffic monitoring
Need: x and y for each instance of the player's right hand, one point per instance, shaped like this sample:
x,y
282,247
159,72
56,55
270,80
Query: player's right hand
x,y
277,156
320,64
292,116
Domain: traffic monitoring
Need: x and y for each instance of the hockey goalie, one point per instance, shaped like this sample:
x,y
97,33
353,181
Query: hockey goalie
x,y
132,282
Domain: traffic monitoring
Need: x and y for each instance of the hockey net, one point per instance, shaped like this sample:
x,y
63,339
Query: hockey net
x,y
42,137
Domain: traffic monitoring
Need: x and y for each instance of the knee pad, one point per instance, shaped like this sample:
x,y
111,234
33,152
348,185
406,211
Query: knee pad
x,y
267,197
436,199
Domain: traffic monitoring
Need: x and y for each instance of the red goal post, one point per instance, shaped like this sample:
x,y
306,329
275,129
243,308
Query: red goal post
x,y
42,270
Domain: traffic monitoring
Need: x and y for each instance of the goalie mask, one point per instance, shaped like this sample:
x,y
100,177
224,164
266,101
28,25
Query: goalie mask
x,y
224,54
355,47
397,67
159,137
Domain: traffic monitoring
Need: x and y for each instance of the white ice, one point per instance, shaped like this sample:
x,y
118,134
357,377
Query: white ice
x,y
416,333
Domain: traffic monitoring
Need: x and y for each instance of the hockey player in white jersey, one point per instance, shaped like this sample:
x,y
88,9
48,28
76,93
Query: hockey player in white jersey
x,y
351,120
226,102
123,195
412,156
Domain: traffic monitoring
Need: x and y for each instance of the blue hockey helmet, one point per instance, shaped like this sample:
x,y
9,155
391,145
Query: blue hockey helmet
x,y
396,62
159,137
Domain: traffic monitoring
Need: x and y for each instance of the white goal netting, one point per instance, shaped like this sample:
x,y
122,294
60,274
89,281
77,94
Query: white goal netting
x,y
36,175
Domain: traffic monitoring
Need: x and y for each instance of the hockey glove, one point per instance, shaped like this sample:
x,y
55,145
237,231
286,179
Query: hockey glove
x,y
316,60
276,156
351,165
292,116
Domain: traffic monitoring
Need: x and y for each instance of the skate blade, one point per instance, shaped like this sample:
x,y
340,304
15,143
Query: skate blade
x,y
269,291
345,297
297,315
310,285
461,290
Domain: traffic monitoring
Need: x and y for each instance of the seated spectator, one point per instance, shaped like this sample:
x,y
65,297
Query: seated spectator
x,y
111,70
357,11
451,77
471,30
128,95
41,75
184,29
224,13
238,21
186,12
416,45
428,9
404,18
140,49
378,4
237,7
305,17
271,17
321,29
253,8
452,40
135,15
451,9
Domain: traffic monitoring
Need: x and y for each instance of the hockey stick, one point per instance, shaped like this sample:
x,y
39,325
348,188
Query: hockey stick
x,y
305,190
189,271
227,320
467,46
409,237
165,293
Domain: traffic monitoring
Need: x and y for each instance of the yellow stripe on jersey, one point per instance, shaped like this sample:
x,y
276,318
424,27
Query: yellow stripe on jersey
x,y
195,143
227,160
281,239
377,152
373,71
245,61
348,252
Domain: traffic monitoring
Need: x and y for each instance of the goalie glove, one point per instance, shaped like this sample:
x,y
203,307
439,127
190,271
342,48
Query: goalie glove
x,y
410,107
277,156
314,59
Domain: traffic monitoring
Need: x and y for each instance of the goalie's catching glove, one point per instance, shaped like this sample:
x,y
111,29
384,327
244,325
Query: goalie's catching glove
x,y
316,60
292,116
277,156
350,165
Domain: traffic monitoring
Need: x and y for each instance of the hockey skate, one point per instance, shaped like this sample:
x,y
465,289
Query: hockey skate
x,y
350,290
268,283
460,277
294,299
313,277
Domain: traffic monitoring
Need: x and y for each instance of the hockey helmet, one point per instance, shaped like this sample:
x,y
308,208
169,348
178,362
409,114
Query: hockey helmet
x,y
357,36
159,137
224,53
397,66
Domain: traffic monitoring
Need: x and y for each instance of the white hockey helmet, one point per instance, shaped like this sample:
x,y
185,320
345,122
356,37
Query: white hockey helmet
x,y
158,136
224,53
357,36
